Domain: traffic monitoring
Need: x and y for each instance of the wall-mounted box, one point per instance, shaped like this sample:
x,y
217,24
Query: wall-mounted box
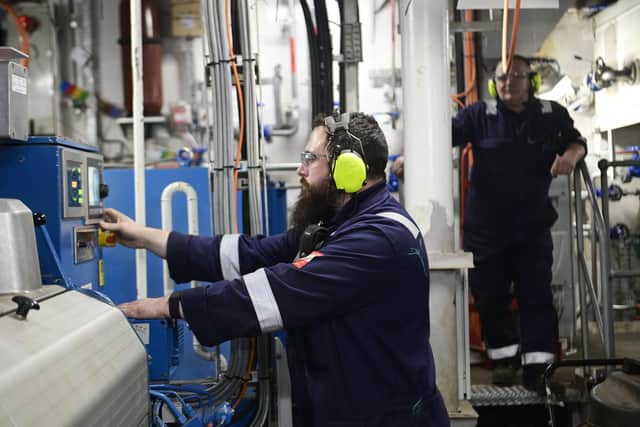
x,y
186,19
14,86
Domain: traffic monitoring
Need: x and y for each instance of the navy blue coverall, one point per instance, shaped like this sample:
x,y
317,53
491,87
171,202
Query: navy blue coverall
x,y
356,311
508,217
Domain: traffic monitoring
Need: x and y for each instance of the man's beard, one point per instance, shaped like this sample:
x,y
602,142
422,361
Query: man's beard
x,y
314,204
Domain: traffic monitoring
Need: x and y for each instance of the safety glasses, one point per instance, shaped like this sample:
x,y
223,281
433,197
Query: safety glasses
x,y
514,75
307,157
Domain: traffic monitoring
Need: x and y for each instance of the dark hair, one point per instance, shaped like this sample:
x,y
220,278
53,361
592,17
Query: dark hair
x,y
374,143
521,58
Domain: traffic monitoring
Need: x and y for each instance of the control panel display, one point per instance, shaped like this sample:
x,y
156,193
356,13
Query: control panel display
x,y
93,180
75,191
96,190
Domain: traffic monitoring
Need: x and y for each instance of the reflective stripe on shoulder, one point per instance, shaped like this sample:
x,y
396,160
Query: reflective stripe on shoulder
x,y
263,300
546,107
229,256
402,220
491,107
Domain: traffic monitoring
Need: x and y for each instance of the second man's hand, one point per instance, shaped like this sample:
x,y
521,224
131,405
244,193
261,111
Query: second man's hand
x,y
148,308
566,163
397,167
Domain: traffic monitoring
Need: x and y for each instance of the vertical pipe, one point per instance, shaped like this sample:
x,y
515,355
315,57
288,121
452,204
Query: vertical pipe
x,y
577,189
605,271
138,141
427,129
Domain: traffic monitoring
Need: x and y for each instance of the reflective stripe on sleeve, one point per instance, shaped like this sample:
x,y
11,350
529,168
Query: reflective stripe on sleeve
x,y
402,220
264,303
229,256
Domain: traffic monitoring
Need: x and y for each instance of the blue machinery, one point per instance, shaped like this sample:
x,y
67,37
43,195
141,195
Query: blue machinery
x,y
64,181
61,179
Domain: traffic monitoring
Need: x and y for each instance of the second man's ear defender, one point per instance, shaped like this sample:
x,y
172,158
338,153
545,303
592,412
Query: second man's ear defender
x,y
535,82
348,165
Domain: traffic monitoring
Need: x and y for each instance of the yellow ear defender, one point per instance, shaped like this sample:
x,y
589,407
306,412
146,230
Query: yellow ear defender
x,y
491,86
349,171
535,82
348,168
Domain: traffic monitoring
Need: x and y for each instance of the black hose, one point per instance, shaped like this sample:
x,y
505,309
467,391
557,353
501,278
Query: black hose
x,y
325,56
313,60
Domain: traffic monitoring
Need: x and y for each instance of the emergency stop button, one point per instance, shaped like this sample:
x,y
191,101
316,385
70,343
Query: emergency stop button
x,y
106,238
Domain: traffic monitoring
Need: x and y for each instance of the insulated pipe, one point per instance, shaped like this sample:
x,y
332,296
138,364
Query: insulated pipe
x,y
427,129
166,214
138,142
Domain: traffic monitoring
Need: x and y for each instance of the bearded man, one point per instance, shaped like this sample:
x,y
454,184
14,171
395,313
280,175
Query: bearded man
x,y
349,282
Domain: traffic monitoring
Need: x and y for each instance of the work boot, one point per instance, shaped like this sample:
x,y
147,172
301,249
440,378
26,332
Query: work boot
x,y
504,371
533,377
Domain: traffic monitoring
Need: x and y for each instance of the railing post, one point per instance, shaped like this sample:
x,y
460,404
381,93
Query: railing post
x,y
605,273
584,324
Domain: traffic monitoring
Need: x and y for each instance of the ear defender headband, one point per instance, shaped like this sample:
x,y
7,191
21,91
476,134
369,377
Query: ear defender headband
x,y
348,166
535,82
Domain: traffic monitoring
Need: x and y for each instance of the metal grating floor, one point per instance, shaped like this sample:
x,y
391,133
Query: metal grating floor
x,y
517,395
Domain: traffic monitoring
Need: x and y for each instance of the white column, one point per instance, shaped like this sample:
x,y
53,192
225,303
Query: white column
x,y
138,141
428,190
428,179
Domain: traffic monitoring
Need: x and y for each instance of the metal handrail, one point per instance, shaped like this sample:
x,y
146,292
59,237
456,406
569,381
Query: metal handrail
x,y
602,307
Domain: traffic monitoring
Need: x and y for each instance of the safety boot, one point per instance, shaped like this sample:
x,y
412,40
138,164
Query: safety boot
x,y
505,371
533,377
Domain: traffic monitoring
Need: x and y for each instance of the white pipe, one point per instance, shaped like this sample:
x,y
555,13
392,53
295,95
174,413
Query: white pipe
x,y
427,117
166,215
138,141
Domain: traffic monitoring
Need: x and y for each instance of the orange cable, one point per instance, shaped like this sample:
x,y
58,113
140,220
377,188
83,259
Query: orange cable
x,y
22,33
470,85
514,35
466,157
247,375
241,110
470,61
505,30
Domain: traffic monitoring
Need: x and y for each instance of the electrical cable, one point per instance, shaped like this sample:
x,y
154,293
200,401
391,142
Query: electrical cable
x,y
313,59
264,391
241,110
326,56
505,27
166,400
514,35
247,376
